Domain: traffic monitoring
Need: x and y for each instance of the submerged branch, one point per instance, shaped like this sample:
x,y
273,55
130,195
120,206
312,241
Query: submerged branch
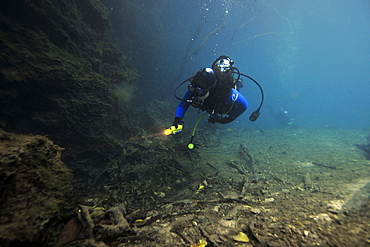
x,y
224,22
266,33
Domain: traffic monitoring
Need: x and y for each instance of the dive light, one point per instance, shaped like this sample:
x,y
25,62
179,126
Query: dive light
x,y
173,130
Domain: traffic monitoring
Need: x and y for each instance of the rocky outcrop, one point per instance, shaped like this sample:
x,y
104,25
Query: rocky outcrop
x,y
58,69
34,185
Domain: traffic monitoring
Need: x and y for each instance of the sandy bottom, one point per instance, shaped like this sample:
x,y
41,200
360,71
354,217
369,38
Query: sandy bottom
x,y
283,187
249,188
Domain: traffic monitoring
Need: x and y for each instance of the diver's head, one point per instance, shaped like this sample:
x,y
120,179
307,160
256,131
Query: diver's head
x,y
224,68
222,64
203,81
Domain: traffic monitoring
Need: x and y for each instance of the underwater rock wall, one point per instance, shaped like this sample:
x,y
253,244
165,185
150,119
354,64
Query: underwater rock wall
x,y
34,185
58,69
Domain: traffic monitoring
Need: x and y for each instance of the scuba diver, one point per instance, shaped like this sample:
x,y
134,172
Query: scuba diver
x,y
214,90
281,116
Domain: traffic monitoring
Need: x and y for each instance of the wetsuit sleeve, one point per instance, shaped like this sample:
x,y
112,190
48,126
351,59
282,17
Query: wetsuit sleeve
x,y
240,104
183,105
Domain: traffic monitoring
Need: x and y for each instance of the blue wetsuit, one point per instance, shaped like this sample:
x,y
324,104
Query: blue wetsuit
x,y
233,106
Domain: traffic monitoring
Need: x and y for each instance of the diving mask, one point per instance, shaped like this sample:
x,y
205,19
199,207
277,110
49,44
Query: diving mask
x,y
199,95
198,92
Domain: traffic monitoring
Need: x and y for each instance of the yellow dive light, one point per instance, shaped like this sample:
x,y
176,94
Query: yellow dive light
x,y
173,130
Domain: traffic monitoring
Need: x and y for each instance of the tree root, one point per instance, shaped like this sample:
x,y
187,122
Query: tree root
x,y
115,226
120,225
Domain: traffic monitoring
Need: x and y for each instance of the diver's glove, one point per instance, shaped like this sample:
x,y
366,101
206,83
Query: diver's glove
x,y
176,121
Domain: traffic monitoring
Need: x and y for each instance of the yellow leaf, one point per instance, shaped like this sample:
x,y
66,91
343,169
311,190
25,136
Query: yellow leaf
x,y
200,188
201,243
241,237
